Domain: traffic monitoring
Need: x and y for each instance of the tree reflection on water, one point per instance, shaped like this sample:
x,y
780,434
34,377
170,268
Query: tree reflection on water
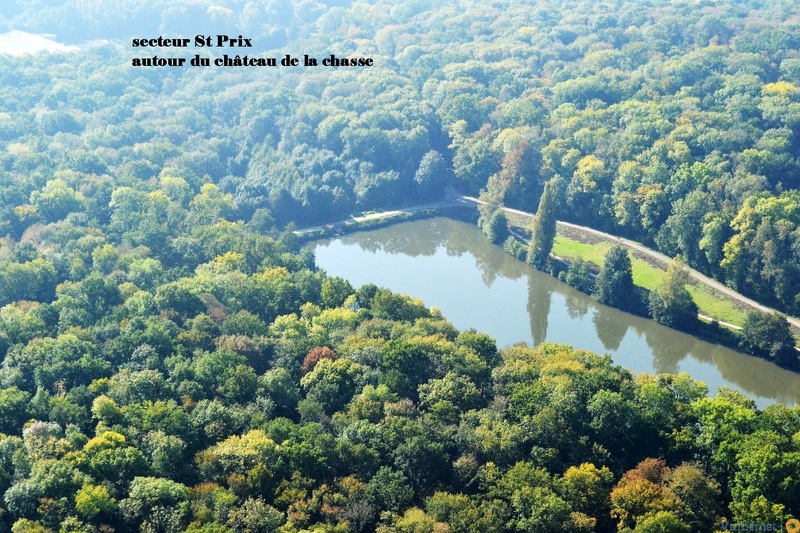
x,y
452,266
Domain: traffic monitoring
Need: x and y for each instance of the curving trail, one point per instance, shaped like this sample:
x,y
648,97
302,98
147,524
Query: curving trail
x,y
655,255
452,199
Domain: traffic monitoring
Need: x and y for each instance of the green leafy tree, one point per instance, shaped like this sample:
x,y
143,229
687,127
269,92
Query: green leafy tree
x,y
452,392
390,489
422,460
14,410
110,459
245,455
32,280
282,389
405,366
671,304
226,373
255,515
588,489
474,161
580,276
496,227
481,343
335,291
461,513
618,425
150,497
177,301
768,335
431,175
88,300
94,501
210,206
56,200
167,454
662,522
49,478
386,304
332,382
699,495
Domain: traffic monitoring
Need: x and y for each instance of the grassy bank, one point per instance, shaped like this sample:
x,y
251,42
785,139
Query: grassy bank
x,y
569,245
648,275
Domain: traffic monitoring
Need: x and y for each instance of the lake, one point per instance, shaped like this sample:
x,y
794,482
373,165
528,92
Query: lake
x,y
451,265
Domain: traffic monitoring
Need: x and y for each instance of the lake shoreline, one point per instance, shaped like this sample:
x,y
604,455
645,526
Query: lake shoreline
x,y
714,330
708,348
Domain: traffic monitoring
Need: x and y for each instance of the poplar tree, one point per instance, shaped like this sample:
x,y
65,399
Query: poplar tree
x,y
544,227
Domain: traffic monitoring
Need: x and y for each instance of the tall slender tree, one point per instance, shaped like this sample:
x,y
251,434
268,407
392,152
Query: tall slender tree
x,y
544,227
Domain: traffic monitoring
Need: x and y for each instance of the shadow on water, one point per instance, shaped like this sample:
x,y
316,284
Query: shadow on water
x,y
450,265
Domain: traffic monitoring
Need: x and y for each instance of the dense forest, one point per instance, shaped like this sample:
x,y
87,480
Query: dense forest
x,y
674,123
172,361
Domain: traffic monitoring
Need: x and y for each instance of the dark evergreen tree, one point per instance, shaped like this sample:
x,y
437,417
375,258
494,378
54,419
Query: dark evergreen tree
x,y
614,284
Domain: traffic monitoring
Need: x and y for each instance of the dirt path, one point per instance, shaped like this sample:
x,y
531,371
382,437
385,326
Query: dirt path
x,y
692,272
453,199
661,258
665,261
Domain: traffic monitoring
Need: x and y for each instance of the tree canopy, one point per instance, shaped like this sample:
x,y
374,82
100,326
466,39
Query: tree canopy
x,y
671,304
614,284
172,361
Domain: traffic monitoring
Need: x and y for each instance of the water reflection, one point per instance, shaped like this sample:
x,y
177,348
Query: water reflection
x,y
576,307
450,265
668,349
425,238
610,330
539,300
